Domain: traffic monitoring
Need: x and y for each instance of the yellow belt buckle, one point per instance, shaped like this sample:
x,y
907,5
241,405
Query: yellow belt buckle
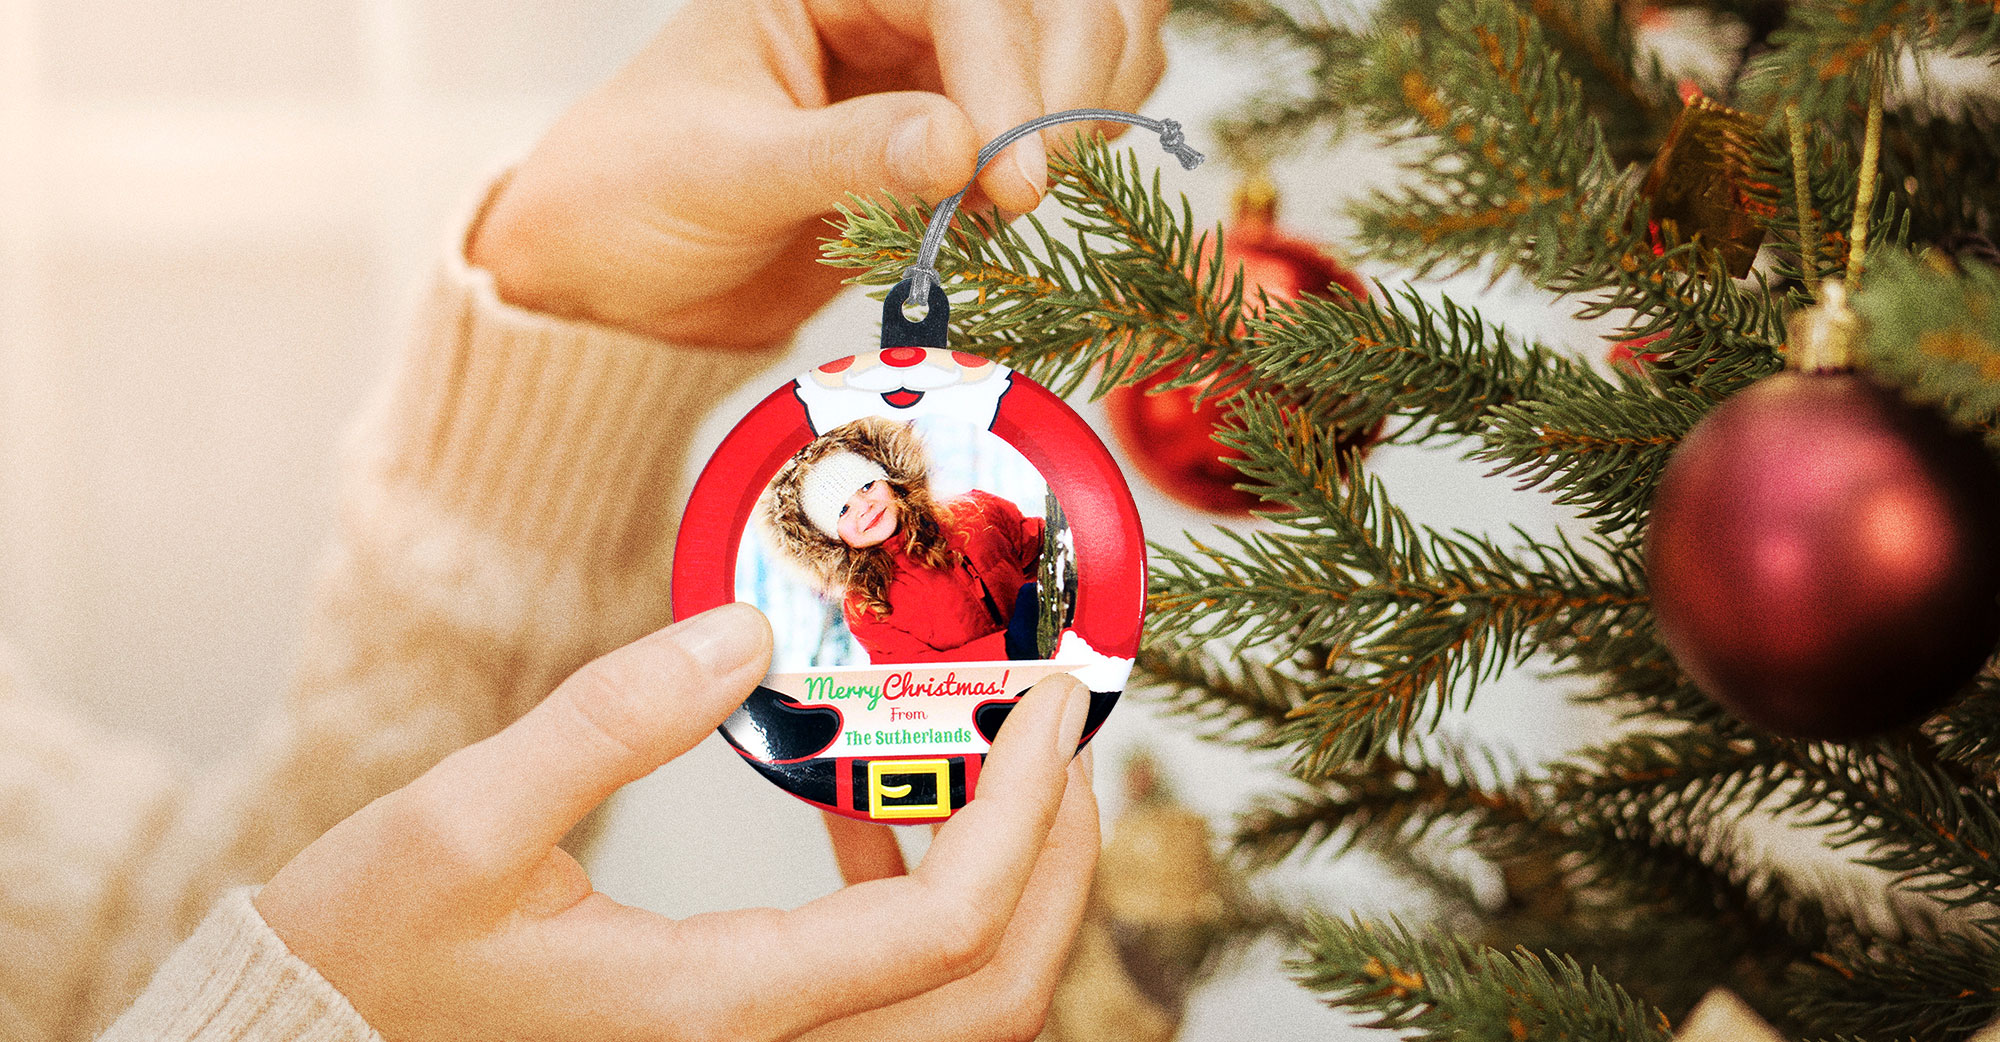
x,y
878,789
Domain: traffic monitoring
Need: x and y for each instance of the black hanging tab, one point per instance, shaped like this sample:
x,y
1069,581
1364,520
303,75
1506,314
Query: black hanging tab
x,y
898,331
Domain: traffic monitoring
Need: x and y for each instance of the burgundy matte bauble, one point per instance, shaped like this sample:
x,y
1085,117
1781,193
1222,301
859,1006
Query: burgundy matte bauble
x,y
1825,558
1169,436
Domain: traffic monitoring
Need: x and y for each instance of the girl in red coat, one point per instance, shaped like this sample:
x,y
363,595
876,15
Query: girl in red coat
x,y
918,580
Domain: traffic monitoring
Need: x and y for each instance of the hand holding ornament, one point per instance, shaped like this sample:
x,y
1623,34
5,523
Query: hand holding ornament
x,y
685,198
445,910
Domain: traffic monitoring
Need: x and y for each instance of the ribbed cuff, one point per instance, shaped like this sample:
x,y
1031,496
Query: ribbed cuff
x,y
553,434
235,981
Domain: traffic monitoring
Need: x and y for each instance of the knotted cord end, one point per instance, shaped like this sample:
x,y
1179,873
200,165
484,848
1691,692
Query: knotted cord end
x,y
1172,140
922,277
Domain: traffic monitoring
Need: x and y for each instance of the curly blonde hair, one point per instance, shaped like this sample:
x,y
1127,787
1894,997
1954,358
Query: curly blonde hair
x,y
859,575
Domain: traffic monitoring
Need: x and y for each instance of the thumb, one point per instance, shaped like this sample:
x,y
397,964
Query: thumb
x,y
910,143
612,722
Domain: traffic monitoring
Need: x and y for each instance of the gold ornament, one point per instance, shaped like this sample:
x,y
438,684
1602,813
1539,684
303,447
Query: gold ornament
x,y
1156,910
1703,184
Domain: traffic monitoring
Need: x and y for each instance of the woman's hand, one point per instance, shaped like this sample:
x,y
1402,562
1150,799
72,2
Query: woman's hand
x,y
445,910
684,198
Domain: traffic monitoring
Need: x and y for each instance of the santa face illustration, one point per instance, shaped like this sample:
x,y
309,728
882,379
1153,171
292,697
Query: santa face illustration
x,y
908,381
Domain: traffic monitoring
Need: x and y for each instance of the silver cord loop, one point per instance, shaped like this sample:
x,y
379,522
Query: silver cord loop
x,y
922,274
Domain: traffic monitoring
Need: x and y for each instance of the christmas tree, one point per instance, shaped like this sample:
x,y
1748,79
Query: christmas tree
x,y
1339,630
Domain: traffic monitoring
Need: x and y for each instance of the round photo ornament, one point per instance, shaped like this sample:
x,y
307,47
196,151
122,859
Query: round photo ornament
x,y
930,534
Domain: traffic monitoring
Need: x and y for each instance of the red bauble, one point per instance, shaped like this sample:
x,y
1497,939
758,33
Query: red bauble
x,y
1632,354
1825,558
1168,436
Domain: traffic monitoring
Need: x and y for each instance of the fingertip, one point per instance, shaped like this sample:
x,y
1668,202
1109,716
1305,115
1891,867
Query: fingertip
x,y
1031,159
726,640
906,143
863,851
935,151
1076,709
1079,798
1017,179
1062,683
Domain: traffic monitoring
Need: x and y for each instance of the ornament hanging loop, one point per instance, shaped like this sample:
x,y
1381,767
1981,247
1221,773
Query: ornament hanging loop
x,y
1864,196
1809,242
921,279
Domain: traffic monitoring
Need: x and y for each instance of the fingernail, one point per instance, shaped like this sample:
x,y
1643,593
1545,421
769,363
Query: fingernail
x,y
1076,706
908,148
1032,160
725,639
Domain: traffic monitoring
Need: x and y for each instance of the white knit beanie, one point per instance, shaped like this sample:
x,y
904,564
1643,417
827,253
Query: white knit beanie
x,y
828,484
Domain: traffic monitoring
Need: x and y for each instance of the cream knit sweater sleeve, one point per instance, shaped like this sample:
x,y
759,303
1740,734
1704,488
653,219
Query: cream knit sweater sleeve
x,y
509,514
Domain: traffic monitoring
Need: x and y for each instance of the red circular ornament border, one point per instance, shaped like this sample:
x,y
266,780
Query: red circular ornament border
x,y
1072,460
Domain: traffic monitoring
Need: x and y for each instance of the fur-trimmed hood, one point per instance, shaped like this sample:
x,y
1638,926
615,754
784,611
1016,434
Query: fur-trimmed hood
x,y
826,561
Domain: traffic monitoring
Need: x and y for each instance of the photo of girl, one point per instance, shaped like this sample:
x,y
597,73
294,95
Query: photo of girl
x,y
902,571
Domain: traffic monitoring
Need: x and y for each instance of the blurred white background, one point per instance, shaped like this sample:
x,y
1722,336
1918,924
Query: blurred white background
x,y
214,215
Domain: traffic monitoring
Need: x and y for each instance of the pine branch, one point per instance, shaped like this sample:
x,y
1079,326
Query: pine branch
x,y
1428,867
1646,883
1558,424
1648,891
1597,45
1443,987
1664,906
1264,31
1599,447
1514,174
1414,619
1512,165
1830,56
1968,731
1929,986
1905,810
1833,176
1262,593
1261,23
1238,700
1440,364
1953,155
1721,335
1936,334
1385,802
1691,773
1136,293
1840,961
1635,675
1499,100
1901,806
